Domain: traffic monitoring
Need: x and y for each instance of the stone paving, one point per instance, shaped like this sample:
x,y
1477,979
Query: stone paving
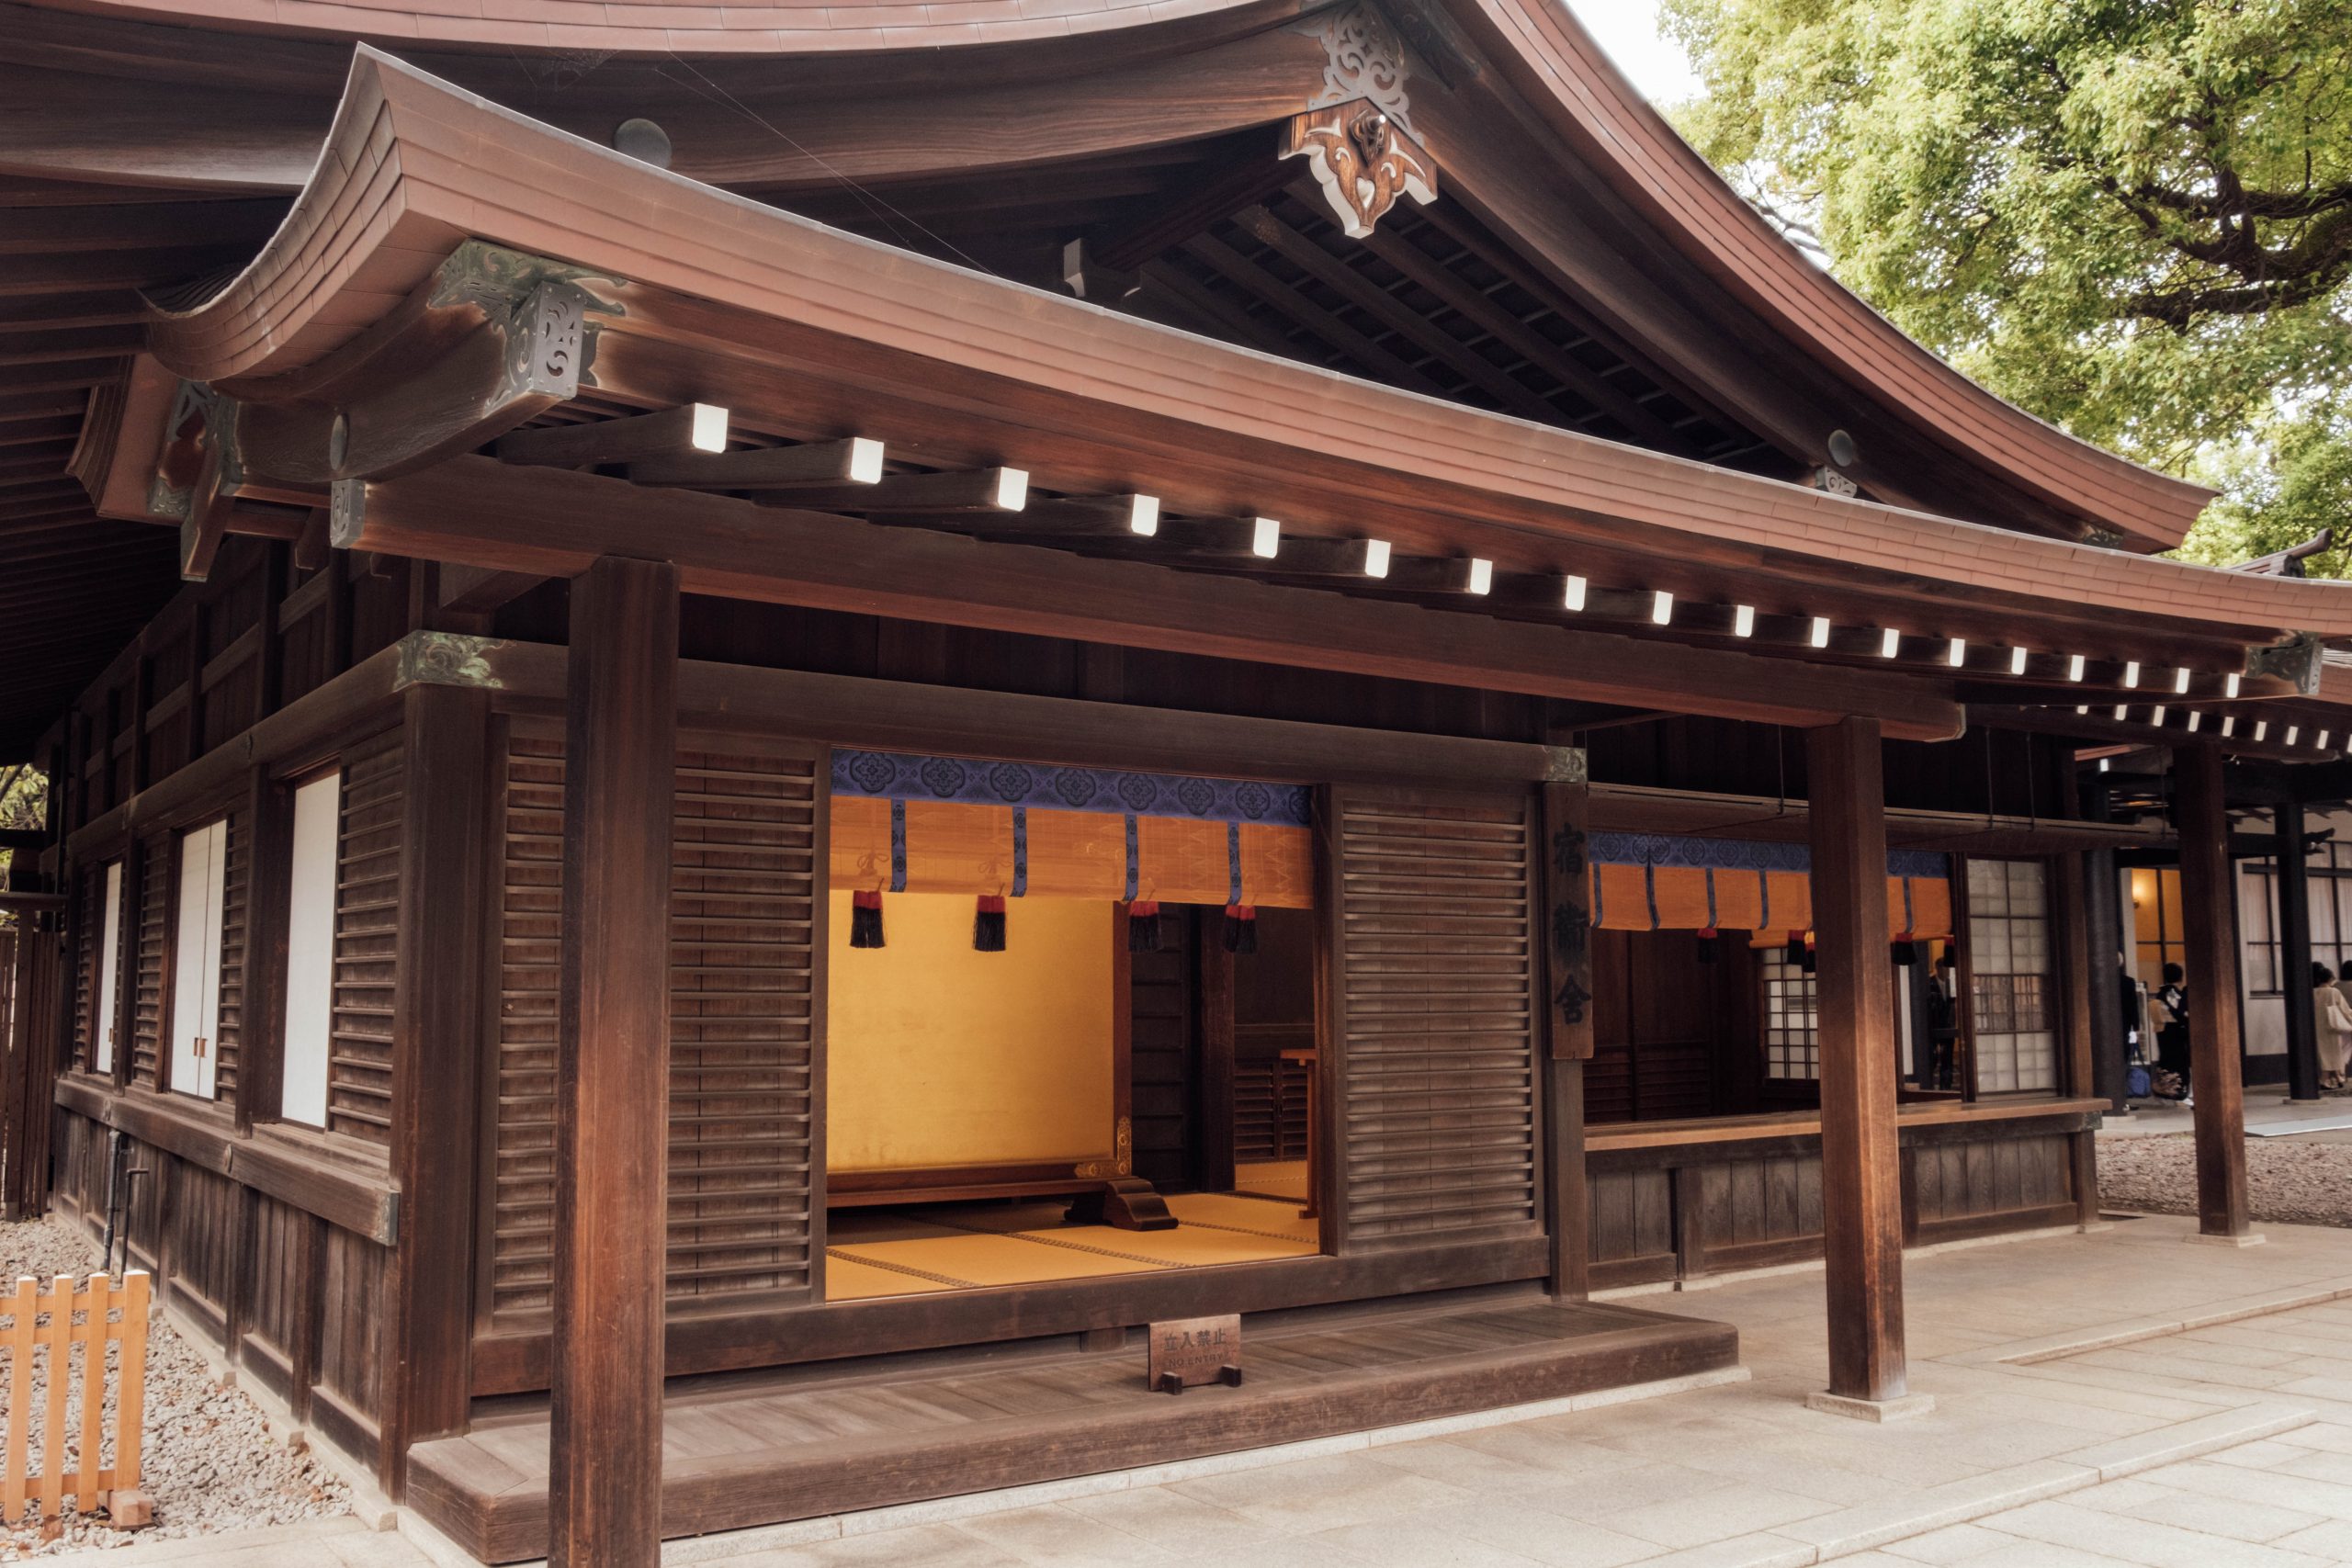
x,y
2113,1398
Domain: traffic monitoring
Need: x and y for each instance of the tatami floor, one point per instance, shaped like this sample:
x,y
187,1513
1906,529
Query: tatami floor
x,y
954,1247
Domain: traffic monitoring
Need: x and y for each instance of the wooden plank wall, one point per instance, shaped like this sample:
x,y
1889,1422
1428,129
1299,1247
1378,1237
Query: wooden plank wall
x,y
746,987
296,1300
1687,1210
1433,988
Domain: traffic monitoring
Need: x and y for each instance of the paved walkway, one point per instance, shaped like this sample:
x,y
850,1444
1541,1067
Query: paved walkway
x,y
2116,1398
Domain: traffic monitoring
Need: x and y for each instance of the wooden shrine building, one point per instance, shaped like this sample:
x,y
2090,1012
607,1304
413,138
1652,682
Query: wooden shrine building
x,y
766,722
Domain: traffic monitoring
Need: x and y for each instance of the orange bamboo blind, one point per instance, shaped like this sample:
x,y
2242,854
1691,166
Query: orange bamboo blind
x,y
43,1330
1680,898
963,847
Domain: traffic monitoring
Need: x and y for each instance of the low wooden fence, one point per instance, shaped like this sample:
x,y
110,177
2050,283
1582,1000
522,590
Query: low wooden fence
x,y
48,1324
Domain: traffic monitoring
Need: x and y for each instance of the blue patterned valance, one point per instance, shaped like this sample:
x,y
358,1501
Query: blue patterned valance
x,y
898,775
1741,854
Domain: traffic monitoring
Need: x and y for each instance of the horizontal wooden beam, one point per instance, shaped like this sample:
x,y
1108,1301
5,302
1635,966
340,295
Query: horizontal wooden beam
x,y
973,489
2100,725
286,738
475,588
899,716
689,427
854,460
483,512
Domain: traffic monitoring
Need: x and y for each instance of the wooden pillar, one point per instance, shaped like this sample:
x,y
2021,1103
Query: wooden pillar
x,y
1213,1079
2210,950
1854,999
436,1059
613,1060
2295,953
1565,901
2104,935
2079,976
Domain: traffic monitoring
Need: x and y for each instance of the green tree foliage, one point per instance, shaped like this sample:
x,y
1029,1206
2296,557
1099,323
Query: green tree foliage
x,y
2133,218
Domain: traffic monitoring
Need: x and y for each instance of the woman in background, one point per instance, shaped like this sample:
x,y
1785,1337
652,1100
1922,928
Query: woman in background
x,y
2332,1022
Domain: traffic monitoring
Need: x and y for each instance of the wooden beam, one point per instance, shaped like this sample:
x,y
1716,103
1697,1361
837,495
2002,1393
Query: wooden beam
x,y
477,590
206,523
853,710
1174,217
813,464
554,522
1369,358
612,1068
1130,516
1861,1172
1394,314
972,490
397,400
689,427
2209,900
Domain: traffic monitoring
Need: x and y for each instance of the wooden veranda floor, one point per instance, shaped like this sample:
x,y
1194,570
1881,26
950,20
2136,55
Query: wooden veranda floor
x,y
751,1453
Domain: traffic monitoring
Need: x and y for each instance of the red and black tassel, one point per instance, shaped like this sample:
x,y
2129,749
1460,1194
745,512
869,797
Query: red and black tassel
x,y
1811,961
1710,944
1241,927
1906,951
988,924
865,918
1143,926
1794,952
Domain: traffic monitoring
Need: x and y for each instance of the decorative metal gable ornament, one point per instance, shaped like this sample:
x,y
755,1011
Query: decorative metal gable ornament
x,y
1356,133
1362,161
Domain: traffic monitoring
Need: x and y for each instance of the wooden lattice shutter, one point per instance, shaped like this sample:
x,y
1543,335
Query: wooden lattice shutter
x,y
530,896
744,978
366,922
1433,998
158,853
235,880
88,939
746,986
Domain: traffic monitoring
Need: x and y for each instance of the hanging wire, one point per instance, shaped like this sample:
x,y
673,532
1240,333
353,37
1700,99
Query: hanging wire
x,y
882,209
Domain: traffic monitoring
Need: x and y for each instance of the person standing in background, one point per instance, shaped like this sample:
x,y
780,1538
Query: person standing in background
x,y
2170,1008
2332,1024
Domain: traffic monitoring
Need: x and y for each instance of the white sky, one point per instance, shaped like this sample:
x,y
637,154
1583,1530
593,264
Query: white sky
x,y
1628,30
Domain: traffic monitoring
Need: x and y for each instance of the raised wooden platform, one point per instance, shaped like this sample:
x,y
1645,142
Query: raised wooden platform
x,y
739,1456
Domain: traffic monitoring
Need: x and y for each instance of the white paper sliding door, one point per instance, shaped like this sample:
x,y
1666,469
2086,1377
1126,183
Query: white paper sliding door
x,y
310,950
196,960
110,972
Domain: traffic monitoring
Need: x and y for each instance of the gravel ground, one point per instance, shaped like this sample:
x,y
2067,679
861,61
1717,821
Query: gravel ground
x,y
209,1462
2289,1180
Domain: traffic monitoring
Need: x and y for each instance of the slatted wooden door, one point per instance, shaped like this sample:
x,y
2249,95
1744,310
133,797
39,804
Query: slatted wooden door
x,y
1432,991
746,1018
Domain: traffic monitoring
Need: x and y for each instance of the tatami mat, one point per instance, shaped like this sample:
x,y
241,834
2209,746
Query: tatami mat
x,y
1274,1217
1273,1178
884,1252
848,1280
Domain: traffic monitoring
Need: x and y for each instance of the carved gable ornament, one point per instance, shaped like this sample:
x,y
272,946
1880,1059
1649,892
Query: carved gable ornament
x,y
1357,131
1362,160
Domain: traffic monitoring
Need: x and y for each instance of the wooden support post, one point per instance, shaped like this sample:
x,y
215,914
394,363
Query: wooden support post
x,y
2103,934
1564,901
2295,953
437,1046
1212,1082
2207,904
613,1056
1860,1153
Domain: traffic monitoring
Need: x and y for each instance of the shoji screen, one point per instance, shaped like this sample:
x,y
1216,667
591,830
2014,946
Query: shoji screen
x,y
310,951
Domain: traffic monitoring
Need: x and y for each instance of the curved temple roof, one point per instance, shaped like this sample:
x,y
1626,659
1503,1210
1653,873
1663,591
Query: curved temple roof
x,y
1551,66
1089,399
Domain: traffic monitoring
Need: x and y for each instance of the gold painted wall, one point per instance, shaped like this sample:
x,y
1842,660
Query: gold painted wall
x,y
940,1055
